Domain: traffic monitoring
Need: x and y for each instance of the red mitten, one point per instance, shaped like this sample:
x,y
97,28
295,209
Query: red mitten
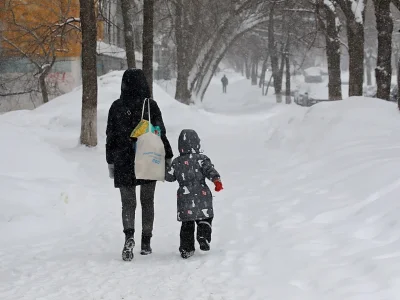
x,y
218,185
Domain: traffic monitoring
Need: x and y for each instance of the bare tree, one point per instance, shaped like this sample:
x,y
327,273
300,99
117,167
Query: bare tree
x,y
37,42
148,40
126,6
354,12
242,18
89,73
331,30
203,42
384,26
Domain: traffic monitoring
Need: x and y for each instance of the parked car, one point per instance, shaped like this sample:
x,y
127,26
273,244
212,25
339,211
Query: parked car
x,y
313,75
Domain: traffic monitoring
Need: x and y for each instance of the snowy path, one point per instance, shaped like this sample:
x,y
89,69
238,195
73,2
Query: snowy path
x,y
294,221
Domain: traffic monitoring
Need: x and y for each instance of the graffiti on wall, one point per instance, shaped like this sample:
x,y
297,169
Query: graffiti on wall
x,y
64,81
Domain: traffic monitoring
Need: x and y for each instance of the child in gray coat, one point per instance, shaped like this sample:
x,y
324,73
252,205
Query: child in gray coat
x,y
194,201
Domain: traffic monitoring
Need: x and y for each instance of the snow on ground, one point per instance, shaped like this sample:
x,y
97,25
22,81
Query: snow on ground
x,y
309,211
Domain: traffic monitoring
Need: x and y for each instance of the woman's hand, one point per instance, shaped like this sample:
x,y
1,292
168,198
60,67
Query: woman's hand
x,y
111,171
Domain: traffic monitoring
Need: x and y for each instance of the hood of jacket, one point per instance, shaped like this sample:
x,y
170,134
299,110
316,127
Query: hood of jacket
x,y
134,86
189,142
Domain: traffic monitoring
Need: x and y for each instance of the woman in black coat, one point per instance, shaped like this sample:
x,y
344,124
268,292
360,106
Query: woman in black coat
x,y
124,115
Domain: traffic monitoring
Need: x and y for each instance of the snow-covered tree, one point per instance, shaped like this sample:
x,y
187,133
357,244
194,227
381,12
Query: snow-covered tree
x,y
202,42
354,12
330,23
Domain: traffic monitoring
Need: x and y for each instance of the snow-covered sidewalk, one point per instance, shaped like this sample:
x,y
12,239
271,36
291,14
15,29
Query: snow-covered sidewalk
x,y
309,210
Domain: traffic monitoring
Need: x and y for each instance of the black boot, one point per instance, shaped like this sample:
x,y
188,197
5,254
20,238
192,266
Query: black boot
x,y
146,248
127,252
204,244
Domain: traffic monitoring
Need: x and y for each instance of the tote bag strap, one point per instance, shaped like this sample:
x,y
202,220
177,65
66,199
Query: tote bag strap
x,y
147,100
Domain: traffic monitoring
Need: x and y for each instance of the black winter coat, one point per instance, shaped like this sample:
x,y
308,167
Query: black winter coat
x,y
190,169
124,115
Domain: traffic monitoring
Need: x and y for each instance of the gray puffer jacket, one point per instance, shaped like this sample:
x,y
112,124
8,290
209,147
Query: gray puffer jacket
x,y
190,169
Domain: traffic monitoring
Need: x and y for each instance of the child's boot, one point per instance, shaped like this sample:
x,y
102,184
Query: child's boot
x,y
204,230
204,244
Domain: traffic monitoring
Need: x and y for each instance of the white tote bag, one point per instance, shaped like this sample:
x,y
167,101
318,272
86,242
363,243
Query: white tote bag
x,y
150,154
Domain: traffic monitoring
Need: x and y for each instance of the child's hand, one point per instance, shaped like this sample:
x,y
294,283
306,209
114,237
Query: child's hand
x,y
218,185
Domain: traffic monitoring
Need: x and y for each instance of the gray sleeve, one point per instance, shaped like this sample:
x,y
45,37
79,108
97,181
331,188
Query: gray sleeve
x,y
170,172
208,169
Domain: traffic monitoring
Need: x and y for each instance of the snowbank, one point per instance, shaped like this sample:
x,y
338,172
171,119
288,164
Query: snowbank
x,y
34,177
26,156
330,124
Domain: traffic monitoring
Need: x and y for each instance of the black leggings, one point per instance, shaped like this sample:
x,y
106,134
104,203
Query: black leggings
x,y
204,230
128,198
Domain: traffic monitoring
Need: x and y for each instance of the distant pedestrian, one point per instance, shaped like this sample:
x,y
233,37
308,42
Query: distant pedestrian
x,y
225,82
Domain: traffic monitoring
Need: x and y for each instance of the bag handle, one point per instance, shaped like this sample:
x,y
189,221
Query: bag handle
x,y
148,105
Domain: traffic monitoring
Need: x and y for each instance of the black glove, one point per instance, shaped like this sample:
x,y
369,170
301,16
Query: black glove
x,y
111,171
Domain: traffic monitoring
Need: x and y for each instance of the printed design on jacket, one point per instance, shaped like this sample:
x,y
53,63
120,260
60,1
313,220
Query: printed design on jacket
x,y
190,169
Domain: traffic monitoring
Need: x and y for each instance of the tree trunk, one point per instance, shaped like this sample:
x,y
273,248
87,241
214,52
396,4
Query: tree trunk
x,y
257,69
182,93
398,84
384,26
287,60
43,88
89,73
274,55
263,72
333,55
281,68
368,67
355,34
247,68
254,72
109,25
148,41
126,7
356,39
